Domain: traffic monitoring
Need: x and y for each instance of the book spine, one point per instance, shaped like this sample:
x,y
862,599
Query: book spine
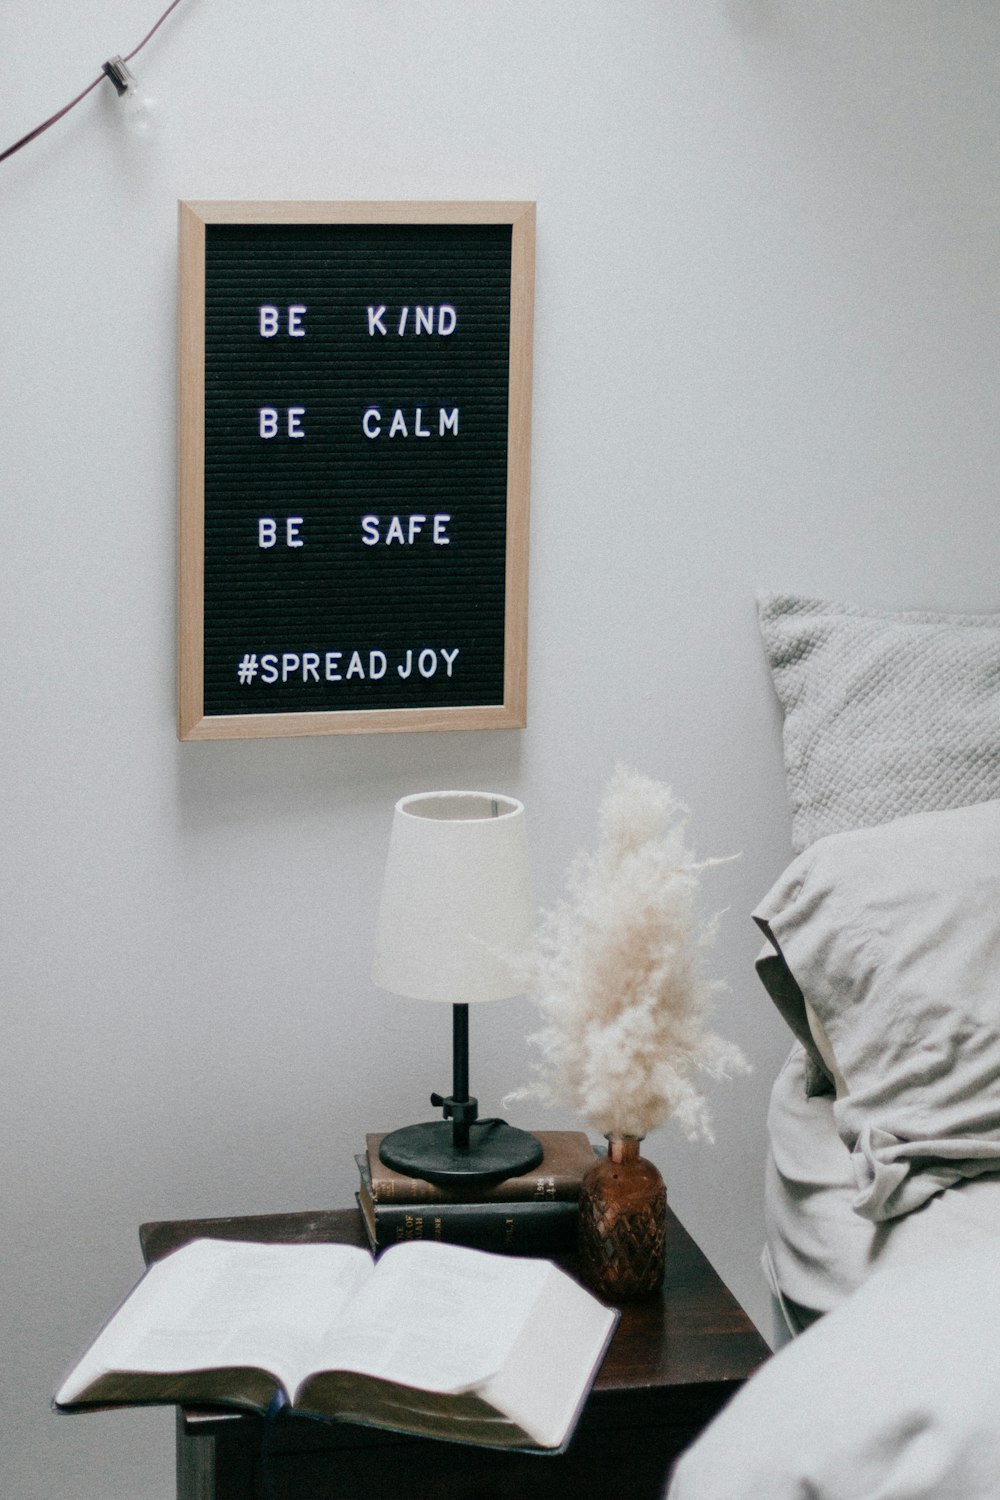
x,y
514,1228
534,1189
556,1178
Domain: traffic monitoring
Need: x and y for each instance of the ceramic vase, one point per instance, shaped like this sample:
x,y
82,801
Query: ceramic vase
x,y
622,1223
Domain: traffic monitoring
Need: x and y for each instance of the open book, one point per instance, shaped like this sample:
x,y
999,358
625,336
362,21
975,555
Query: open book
x,y
434,1339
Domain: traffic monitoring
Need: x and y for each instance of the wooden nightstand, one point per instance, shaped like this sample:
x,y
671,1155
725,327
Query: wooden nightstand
x,y
675,1360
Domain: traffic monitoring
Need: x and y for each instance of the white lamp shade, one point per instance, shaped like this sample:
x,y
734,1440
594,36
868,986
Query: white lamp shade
x,y
456,900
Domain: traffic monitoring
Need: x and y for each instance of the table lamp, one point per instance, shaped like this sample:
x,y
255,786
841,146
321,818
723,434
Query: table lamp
x,y
456,907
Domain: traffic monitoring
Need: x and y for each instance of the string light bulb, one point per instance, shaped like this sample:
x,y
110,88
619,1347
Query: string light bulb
x,y
136,102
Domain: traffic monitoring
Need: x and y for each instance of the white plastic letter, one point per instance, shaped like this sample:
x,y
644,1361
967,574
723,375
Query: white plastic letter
x,y
449,658
398,424
294,425
416,524
269,669
447,318
268,322
448,422
268,422
369,530
295,326
441,538
427,663
375,320
292,524
409,665
402,320
290,664
355,669
310,666
395,532
267,532
376,665
332,663
419,431
425,320
372,422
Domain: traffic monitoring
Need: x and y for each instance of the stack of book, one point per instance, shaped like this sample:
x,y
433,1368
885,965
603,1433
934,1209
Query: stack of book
x,y
534,1214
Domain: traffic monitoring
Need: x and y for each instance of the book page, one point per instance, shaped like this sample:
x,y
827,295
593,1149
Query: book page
x,y
219,1303
435,1316
554,1359
464,1418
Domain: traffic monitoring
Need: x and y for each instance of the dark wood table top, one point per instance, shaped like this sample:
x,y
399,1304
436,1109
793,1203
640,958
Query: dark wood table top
x,y
692,1333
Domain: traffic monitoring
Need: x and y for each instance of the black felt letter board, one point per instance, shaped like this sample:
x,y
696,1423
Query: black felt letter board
x,y
347,482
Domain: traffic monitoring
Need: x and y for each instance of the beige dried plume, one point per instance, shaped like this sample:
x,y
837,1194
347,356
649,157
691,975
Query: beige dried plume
x,y
617,974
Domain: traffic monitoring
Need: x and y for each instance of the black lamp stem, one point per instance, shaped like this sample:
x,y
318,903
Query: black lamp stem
x,y
461,1148
460,1073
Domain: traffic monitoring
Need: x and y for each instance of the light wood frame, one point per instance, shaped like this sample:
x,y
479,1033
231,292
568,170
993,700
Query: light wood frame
x,y
193,723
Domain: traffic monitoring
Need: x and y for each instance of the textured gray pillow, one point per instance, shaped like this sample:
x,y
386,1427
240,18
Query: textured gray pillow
x,y
885,714
892,936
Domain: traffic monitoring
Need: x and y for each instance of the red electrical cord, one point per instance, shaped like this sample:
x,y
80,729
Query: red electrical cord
x,y
26,139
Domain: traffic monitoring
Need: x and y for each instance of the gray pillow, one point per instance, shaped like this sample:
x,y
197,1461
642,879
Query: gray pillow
x,y
885,714
891,935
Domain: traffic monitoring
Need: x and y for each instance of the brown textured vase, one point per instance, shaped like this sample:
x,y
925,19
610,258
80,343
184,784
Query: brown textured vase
x,y
622,1223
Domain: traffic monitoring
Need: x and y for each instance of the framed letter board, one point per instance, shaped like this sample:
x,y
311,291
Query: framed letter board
x,y
355,410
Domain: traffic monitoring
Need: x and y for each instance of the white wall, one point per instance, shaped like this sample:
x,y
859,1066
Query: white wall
x,y
766,339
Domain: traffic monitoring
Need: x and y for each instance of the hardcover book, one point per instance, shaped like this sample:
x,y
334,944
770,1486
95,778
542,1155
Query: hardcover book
x,y
566,1155
532,1226
436,1340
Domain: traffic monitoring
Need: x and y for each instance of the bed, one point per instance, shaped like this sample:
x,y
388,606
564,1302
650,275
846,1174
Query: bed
x,y
881,951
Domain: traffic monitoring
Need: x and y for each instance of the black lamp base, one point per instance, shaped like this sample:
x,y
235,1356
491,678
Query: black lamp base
x,y
495,1151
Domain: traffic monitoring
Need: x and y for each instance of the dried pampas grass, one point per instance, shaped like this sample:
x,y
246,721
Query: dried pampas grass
x,y
617,974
